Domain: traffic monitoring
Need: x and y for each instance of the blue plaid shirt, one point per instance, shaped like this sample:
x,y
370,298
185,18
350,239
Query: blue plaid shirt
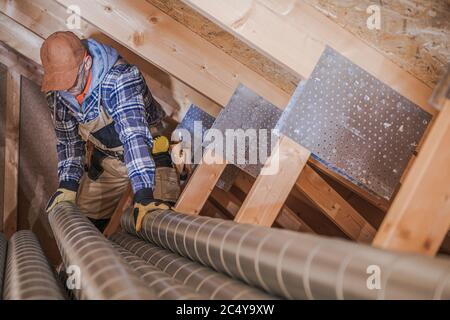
x,y
127,99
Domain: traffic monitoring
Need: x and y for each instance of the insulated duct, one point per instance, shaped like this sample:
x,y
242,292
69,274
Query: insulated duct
x,y
3,248
28,274
202,279
165,287
104,275
295,265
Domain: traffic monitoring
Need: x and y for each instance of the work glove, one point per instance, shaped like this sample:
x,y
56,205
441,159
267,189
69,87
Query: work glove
x,y
141,209
145,203
61,195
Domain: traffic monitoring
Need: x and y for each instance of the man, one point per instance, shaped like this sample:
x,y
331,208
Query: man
x,y
96,98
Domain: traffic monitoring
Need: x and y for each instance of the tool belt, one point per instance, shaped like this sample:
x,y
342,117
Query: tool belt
x,y
95,168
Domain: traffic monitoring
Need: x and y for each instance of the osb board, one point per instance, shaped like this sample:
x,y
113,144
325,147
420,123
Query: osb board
x,y
37,166
414,34
281,77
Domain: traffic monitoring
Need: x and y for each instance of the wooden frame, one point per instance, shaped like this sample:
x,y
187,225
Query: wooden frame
x,y
268,194
12,128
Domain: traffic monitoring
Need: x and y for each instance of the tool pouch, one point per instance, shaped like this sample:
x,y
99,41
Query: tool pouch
x,y
167,185
95,169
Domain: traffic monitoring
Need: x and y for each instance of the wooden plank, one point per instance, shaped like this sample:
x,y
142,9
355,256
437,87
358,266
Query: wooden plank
x,y
43,17
125,202
419,217
12,127
377,201
336,208
200,185
13,60
270,191
312,31
171,46
287,218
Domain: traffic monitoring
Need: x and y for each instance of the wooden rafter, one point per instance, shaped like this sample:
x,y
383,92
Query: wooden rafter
x,y
11,176
273,185
152,34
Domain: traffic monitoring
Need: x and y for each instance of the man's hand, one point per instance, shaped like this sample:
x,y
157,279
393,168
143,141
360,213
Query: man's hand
x,y
61,195
141,209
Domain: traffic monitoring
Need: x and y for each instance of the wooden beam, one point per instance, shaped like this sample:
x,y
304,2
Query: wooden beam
x,y
287,218
125,202
44,17
336,208
200,185
271,30
13,60
171,46
419,217
20,39
12,127
377,201
271,189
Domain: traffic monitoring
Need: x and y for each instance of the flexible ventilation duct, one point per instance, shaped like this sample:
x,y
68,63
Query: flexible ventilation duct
x,y
164,286
103,272
202,279
295,265
28,274
3,248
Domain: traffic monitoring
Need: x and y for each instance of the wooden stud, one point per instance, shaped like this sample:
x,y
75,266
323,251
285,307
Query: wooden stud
x,y
125,202
287,218
419,217
268,194
200,185
335,207
12,127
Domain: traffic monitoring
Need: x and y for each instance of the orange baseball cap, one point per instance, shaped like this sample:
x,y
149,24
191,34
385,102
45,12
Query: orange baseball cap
x,y
61,54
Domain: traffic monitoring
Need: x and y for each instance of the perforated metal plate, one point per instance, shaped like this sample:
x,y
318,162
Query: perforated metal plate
x,y
194,114
354,123
248,110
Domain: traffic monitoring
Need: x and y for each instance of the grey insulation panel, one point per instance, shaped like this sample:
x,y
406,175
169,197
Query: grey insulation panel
x,y
247,110
195,114
196,122
295,265
355,124
28,274
3,248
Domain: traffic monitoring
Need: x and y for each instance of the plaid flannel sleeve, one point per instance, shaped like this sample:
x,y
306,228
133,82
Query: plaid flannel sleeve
x,y
70,147
127,108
